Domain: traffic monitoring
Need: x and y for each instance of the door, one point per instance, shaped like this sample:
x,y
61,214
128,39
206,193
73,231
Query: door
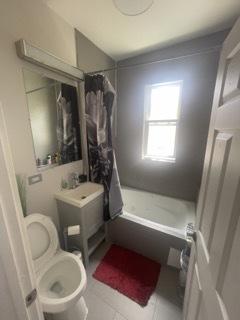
x,y
213,284
14,249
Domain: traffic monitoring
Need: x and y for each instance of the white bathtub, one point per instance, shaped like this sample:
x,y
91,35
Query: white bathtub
x,y
168,215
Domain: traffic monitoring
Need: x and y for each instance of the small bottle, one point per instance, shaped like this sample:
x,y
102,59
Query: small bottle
x,y
38,161
53,158
49,159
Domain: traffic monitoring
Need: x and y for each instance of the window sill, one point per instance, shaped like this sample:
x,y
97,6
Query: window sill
x,y
164,160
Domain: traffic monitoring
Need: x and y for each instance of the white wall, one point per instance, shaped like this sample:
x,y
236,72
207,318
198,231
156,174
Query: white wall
x,y
7,310
35,22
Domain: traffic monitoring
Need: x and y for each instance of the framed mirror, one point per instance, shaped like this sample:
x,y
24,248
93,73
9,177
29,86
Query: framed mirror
x,y
54,118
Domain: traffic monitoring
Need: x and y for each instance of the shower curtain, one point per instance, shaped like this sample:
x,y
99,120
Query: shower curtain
x,y
100,97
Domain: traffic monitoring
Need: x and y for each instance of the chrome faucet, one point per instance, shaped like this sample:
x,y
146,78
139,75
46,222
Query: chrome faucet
x,y
73,180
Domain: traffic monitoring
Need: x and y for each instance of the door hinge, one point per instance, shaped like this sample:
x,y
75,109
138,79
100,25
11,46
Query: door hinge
x,y
31,297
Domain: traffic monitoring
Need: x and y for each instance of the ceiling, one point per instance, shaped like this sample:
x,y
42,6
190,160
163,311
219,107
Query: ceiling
x,y
167,22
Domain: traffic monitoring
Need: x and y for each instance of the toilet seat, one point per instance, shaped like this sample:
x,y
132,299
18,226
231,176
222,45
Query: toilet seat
x,y
43,238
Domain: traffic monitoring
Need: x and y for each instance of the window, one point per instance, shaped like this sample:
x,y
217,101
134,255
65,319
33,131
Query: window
x,y
162,103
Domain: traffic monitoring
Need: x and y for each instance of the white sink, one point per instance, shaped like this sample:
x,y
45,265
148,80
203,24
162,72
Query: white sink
x,y
81,195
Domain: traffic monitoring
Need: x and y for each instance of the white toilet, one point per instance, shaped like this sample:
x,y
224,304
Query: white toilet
x,y
61,277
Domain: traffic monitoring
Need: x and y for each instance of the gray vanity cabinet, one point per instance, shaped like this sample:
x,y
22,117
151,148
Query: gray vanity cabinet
x,y
90,219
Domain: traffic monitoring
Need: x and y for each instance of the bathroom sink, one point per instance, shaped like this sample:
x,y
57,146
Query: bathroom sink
x,y
81,195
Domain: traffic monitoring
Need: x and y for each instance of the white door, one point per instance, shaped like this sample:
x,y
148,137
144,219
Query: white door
x,y
14,250
213,284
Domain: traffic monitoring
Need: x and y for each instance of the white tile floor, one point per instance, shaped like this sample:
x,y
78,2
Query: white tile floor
x,y
105,303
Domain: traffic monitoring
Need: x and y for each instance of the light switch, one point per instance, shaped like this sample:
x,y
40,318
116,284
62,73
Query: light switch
x,y
35,179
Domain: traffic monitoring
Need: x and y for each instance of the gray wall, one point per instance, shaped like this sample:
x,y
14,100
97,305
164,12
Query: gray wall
x,y
90,58
181,179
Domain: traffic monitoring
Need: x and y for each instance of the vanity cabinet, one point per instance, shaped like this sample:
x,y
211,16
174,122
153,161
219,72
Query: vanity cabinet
x,y
79,207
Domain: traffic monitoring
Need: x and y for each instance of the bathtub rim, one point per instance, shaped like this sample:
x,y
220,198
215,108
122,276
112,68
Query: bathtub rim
x,y
179,233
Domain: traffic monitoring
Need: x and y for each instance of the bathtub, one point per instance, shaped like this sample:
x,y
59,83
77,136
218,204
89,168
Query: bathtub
x,y
152,224
163,213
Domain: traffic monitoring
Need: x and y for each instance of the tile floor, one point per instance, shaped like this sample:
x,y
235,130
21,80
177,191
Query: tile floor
x,y
105,303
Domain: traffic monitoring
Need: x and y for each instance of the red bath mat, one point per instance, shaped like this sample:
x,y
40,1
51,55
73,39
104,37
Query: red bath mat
x,y
130,273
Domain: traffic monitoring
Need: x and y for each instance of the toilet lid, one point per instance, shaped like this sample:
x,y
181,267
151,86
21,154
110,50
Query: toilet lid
x,y
43,238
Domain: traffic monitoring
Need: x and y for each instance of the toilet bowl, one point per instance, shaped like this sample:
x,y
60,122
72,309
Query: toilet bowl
x,y
61,277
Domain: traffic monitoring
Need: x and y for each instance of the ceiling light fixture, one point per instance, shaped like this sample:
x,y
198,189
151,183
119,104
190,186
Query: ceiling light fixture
x,y
133,7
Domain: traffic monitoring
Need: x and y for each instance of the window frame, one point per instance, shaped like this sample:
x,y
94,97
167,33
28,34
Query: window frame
x,y
147,122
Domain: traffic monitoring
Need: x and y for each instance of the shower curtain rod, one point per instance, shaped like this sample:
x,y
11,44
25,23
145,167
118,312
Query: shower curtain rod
x,y
212,49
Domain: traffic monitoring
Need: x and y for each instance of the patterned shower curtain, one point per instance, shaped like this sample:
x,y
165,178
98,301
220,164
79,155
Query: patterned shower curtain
x,y
100,97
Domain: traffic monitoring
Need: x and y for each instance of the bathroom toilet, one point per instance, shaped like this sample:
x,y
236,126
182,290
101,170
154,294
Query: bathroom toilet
x,y
61,277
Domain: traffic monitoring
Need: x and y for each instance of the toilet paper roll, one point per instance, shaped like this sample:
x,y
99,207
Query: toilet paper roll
x,y
73,230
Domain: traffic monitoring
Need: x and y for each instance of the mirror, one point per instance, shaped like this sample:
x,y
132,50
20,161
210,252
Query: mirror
x,y
54,118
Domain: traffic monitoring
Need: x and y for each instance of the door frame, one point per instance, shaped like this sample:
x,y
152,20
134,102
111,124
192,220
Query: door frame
x,y
14,247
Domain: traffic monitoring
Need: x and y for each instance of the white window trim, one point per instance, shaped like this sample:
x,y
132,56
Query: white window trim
x,y
147,97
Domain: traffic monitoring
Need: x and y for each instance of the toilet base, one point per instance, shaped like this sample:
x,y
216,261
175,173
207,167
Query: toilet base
x,y
78,312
